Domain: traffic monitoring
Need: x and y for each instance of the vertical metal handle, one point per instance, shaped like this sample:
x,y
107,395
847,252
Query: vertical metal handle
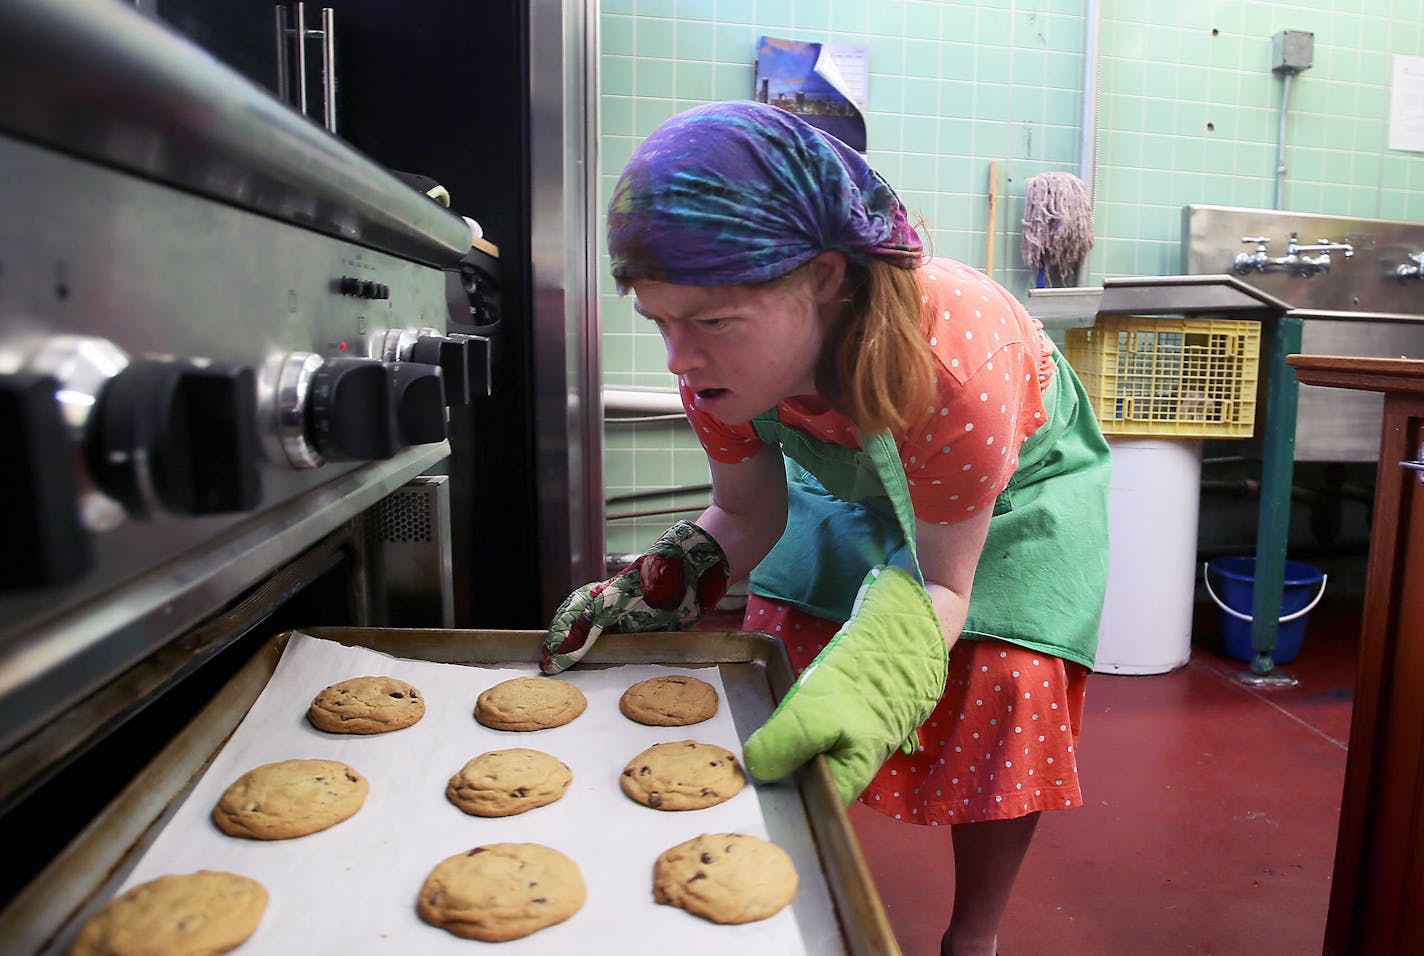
x,y
302,58
328,68
292,30
284,68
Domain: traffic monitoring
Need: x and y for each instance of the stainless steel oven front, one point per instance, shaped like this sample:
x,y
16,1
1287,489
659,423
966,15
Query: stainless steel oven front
x,y
225,376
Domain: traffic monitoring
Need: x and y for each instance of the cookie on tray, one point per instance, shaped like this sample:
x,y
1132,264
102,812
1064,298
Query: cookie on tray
x,y
502,783
501,891
529,703
366,705
725,878
203,912
278,801
673,701
685,775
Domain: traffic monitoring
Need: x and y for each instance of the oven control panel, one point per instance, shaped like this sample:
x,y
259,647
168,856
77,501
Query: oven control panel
x,y
102,437
160,388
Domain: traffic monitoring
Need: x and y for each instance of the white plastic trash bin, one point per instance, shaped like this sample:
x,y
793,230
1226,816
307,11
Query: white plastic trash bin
x,y
1153,505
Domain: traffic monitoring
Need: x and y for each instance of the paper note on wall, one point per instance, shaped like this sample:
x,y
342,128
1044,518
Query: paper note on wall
x,y
1406,104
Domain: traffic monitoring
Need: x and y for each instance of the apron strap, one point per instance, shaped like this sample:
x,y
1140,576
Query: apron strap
x,y
881,452
885,456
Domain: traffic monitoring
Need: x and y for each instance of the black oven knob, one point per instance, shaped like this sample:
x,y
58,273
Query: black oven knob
x,y
418,396
44,542
479,363
177,437
453,355
363,288
350,410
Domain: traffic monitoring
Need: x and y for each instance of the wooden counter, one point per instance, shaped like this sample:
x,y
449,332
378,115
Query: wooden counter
x,y
1377,892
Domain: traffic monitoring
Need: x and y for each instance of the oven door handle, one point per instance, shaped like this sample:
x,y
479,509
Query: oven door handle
x,y
292,31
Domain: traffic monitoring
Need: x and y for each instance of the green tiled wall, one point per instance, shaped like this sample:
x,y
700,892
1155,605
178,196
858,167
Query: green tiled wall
x,y
1188,113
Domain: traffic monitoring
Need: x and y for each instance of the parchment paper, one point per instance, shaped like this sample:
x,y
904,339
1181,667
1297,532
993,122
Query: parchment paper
x,y
353,886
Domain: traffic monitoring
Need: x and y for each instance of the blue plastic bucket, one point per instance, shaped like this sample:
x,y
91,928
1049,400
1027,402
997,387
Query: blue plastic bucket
x,y
1304,587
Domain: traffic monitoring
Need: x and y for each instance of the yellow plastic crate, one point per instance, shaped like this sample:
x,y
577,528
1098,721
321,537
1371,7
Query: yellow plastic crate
x,y
1153,375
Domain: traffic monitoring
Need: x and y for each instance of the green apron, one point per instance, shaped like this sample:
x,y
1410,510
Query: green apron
x,y
1042,575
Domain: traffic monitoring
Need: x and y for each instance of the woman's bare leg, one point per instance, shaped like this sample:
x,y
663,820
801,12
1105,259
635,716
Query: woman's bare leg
x,y
987,857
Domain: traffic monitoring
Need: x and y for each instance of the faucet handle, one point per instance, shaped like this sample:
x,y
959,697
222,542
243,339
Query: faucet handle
x,y
1344,247
1258,240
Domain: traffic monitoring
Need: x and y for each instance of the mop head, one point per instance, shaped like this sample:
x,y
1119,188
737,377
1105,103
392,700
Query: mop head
x,y
1057,225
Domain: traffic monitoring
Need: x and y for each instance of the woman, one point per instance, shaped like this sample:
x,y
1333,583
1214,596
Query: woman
x,y
864,406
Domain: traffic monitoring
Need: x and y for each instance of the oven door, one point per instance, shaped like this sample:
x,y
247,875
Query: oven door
x,y
209,330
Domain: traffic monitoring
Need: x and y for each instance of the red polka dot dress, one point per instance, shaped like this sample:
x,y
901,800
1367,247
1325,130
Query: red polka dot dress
x,y
1000,744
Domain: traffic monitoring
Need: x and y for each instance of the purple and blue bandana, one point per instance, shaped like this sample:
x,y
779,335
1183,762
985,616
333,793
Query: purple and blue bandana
x,y
741,192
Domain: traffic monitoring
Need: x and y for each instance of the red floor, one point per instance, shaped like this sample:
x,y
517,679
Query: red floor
x,y
1209,824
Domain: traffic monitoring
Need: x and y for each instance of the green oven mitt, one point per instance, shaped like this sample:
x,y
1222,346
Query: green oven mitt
x,y
865,693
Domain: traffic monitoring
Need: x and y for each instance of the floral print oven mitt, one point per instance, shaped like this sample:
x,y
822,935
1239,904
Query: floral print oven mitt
x,y
681,577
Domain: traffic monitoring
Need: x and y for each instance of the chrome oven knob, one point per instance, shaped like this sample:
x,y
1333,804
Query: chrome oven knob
x,y
396,345
282,408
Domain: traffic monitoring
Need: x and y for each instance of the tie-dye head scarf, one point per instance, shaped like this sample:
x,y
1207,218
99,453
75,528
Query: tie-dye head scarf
x,y
741,192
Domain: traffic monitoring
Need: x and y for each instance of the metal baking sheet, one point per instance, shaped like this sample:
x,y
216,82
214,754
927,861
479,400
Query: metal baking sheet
x,y
371,866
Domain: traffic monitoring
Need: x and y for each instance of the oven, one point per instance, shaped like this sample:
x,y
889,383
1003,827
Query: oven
x,y
228,372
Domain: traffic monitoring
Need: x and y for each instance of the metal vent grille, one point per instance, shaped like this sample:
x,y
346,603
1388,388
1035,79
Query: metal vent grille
x,y
405,516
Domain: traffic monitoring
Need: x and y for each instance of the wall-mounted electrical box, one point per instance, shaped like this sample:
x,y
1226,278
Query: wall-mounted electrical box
x,y
1292,51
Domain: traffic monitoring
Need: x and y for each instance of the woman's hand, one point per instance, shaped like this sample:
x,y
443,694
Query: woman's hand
x,y
681,577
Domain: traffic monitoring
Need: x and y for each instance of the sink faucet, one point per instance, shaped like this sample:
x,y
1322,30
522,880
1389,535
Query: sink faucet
x,y
1297,260
1415,271
1258,261
1304,265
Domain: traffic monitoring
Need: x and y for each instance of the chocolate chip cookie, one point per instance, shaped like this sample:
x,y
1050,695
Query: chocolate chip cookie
x,y
203,912
529,703
725,878
278,801
501,891
685,775
502,783
366,705
673,701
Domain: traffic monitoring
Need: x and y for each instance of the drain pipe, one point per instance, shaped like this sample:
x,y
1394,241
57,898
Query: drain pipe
x,y
1281,140
1088,147
1292,52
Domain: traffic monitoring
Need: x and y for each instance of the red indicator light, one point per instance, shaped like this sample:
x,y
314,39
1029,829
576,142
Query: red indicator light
x,y
342,346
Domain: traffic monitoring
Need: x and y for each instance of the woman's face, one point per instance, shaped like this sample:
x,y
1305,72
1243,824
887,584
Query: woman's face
x,y
742,349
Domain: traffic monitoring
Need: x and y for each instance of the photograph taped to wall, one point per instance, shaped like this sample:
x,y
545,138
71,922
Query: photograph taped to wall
x,y
823,83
